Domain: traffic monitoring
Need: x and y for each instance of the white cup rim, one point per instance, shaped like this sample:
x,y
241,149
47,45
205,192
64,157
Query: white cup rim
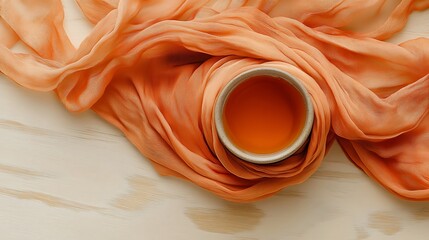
x,y
270,157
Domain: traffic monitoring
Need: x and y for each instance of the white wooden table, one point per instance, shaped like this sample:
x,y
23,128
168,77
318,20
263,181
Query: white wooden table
x,y
73,176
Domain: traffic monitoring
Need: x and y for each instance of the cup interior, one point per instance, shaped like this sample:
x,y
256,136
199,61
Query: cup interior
x,y
250,122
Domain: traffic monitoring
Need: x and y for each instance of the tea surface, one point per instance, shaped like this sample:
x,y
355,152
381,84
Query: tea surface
x,y
264,114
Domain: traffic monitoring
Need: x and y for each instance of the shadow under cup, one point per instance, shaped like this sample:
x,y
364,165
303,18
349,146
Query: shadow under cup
x,y
264,115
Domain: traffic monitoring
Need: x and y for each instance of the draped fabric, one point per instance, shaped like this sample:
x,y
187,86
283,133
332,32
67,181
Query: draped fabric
x,y
154,68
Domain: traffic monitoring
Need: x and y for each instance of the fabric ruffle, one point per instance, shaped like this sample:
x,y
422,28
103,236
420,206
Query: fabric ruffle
x,y
154,69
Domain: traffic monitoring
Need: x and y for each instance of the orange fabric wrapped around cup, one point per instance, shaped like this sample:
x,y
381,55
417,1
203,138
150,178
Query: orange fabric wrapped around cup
x,y
154,69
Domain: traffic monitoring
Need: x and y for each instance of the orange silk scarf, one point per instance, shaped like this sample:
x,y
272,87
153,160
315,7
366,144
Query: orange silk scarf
x,y
154,68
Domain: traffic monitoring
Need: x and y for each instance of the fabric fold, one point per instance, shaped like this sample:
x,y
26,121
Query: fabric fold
x,y
154,70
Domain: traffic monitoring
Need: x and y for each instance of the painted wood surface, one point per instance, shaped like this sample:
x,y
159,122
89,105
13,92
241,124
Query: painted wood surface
x,y
73,176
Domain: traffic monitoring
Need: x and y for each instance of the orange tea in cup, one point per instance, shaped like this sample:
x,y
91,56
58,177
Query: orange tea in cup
x,y
263,115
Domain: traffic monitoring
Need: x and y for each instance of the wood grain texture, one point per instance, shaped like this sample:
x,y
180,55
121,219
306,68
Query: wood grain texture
x,y
73,176
231,218
143,190
47,199
386,222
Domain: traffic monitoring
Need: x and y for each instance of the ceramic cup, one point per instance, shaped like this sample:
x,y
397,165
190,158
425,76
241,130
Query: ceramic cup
x,y
263,115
